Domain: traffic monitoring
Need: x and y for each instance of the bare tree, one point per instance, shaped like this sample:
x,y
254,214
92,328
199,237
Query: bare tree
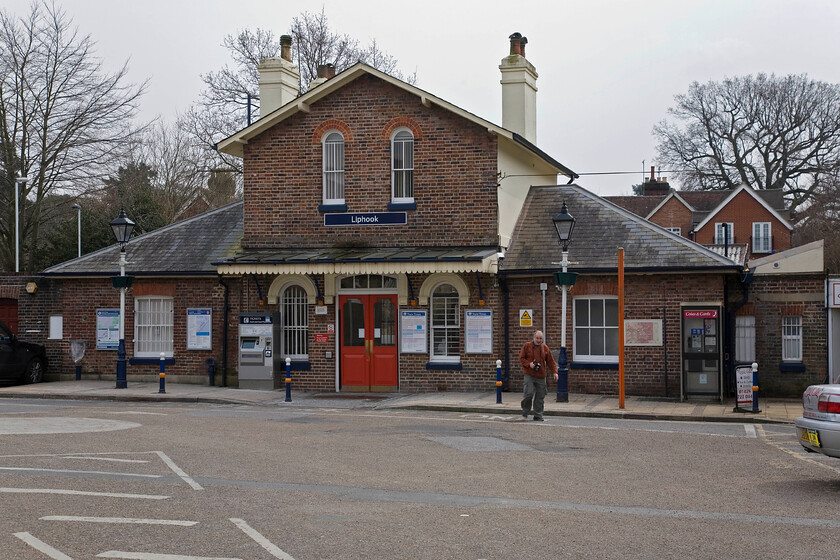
x,y
233,91
63,120
768,132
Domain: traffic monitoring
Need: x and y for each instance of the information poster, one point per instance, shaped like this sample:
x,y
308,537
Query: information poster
x,y
478,326
413,331
199,322
744,385
107,329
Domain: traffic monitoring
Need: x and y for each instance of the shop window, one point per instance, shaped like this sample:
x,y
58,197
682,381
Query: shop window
x,y
333,168
153,320
294,320
791,339
402,166
596,329
762,241
446,324
745,339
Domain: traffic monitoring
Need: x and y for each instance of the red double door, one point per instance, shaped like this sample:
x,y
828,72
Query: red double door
x,y
368,327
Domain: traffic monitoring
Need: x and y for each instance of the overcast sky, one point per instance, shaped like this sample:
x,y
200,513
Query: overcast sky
x,y
608,70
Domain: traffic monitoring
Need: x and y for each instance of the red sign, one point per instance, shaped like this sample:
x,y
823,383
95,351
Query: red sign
x,y
322,337
700,314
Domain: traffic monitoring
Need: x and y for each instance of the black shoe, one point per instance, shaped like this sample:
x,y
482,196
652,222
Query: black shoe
x,y
538,419
524,416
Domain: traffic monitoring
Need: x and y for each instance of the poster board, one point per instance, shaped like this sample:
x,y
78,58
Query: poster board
x,y
107,329
199,328
478,327
642,332
413,331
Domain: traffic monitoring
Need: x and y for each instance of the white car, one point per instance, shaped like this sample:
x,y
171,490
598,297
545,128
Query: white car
x,y
819,425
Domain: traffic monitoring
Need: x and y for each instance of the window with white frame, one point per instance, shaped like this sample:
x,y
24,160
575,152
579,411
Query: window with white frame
x,y
762,240
294,321
791,339
153,320
446,324
596,329
724,230
402,166
333,151
676,230
745,338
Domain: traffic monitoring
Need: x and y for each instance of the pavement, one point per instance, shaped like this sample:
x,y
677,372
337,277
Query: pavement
x,y
782,411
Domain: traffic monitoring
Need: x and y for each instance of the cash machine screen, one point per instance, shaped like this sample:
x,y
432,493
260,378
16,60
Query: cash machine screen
x,y
249,343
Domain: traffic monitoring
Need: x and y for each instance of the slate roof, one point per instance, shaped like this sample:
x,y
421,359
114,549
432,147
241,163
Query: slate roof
x,y
601,228
185,248
354,254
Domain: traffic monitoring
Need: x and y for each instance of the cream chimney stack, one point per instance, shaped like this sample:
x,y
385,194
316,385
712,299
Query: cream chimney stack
x,y
519,91
279,79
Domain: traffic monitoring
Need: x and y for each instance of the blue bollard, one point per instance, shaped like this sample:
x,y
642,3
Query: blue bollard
x,y
162,373
288,380
563,376
498,381
755,387
78,373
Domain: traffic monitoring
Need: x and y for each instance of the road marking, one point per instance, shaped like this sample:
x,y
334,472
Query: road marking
x,y
151,556
81,493
42,547
177,470
107,459
134,412
28,469
260,540
62,425
798,453
750,429
119,520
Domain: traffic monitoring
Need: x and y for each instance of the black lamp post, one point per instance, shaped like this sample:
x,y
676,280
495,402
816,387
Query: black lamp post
x,y
564,223
123,227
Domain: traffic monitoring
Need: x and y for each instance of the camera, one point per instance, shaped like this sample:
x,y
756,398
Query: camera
x,y
537,367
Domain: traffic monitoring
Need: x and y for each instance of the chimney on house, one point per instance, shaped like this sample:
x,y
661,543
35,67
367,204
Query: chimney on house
x,y
519,91
279,79
653,186
325,72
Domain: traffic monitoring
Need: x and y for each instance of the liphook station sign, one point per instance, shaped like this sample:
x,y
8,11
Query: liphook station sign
x,y
366,219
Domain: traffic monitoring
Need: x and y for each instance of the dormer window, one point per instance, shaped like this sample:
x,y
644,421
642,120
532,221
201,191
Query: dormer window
x,y
762,241
724,233
333,168
402,166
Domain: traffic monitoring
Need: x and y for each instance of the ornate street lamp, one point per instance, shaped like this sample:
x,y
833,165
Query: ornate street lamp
x,y
564,223
123,227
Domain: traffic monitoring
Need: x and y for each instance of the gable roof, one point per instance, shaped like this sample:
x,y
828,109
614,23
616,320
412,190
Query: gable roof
x,y
233,144
736,192
185,248
601,228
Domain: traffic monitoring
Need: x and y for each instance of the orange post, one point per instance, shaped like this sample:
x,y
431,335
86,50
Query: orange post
x,y
620,327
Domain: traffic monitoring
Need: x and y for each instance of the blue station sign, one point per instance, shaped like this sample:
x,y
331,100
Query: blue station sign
x,y
366,219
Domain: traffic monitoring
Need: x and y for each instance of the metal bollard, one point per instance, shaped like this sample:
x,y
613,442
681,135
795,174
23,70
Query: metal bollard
x,y
498,381
78,373
755,387
162,373
211,370
288,379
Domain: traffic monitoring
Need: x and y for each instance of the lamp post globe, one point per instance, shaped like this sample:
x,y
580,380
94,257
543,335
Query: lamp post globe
x,y
564,225
122,228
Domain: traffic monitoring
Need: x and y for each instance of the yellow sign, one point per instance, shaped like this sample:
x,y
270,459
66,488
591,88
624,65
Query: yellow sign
x,y
526,317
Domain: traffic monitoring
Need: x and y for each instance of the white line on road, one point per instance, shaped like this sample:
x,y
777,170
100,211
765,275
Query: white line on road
x,y
28,469
177,470
750,429
42,547
81,493
113,460
134,412
152,556
119,520
260,540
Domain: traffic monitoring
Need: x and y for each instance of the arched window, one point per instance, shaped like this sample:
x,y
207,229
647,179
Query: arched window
x,y
446,324
402,166
333,168
294,322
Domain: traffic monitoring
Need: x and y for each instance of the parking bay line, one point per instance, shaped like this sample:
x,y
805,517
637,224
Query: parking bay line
x,y
111,459
81,493
151,556
42,547
119,520
177,470
260,540
68,471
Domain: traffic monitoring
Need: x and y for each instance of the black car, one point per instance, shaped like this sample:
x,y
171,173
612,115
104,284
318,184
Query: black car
x,y
19,360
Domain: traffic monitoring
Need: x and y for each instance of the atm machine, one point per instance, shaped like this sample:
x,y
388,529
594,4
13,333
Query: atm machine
x,y
256,369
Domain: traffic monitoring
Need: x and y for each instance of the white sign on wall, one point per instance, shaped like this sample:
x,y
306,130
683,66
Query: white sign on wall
x,y
413,331
834,293
479,331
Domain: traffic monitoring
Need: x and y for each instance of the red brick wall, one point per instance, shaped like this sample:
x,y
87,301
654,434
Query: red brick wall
x,y
673,214
742,211
455,165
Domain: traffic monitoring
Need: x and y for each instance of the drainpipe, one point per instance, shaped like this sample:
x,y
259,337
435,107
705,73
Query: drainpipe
x,y
506,291
225,315
543,288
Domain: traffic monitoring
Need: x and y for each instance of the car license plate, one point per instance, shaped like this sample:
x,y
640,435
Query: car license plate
x,y
811,436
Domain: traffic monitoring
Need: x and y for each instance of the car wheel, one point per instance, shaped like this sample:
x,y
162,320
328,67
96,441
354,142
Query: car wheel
x,y
34,371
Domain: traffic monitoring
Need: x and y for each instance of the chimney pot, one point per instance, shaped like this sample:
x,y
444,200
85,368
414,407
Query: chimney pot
x,y
286,47
515,43
651,173
522,43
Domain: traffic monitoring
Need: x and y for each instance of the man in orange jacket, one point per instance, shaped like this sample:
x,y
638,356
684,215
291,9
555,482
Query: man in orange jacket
x,y
536,359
